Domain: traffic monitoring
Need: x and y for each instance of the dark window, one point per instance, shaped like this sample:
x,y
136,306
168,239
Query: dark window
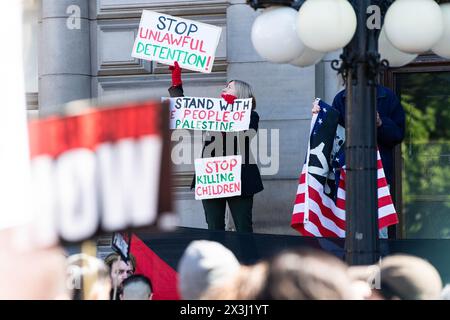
x,y
422,181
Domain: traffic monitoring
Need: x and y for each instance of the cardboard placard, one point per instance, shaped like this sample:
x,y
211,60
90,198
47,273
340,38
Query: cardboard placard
x,y
121,243
167,39
209,114
218,177
100,171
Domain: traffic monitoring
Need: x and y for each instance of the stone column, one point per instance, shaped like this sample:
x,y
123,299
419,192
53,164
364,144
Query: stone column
x,y
64,53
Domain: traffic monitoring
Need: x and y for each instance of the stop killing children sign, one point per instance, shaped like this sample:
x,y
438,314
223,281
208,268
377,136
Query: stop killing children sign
x,y
218,177
166,39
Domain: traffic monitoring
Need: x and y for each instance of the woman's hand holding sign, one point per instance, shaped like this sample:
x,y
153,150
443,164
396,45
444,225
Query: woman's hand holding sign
x,y
176,75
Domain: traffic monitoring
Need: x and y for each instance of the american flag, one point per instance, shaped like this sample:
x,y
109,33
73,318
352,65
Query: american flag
x,y
319,209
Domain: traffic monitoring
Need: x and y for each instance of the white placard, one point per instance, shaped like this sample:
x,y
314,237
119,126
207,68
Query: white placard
x,y
167,39
208,114
218,177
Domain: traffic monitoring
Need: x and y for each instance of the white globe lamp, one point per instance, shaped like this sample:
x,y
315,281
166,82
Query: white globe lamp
x,y
326,25
414,26
308,58
395,57
274,35
442,47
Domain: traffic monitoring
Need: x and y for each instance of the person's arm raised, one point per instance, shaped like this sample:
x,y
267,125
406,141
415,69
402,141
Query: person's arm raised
x,y
176,90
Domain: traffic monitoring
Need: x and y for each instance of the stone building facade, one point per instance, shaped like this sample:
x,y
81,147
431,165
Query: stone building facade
x,y
84,51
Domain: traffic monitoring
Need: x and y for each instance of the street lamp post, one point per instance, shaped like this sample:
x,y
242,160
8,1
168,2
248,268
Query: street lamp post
x,y
360,67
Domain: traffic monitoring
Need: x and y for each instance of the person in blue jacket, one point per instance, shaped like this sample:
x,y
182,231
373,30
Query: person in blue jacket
x,y
390,125
390,128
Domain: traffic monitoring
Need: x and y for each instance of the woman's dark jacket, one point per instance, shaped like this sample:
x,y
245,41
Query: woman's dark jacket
x,y
250,175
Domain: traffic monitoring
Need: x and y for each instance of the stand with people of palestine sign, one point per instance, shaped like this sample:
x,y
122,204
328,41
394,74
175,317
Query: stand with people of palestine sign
x,y
209,114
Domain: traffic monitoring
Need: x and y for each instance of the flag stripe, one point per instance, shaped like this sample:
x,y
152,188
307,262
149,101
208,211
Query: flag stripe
x,y
325,200
316,220
384,201
324,216
313,232
316,199
387,221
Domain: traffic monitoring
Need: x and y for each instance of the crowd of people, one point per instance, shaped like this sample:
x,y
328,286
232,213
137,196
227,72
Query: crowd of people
x,y
90,278
208,270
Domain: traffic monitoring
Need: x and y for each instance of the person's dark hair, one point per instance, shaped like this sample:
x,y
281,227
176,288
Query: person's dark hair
x,y
113,257
138,278
306,274
244,91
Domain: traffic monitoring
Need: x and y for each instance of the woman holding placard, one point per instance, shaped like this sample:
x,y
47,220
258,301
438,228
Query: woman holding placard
x,y
251,183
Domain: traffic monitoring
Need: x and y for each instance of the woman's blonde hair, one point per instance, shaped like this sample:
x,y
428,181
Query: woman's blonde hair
x,y
86,273
244,91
